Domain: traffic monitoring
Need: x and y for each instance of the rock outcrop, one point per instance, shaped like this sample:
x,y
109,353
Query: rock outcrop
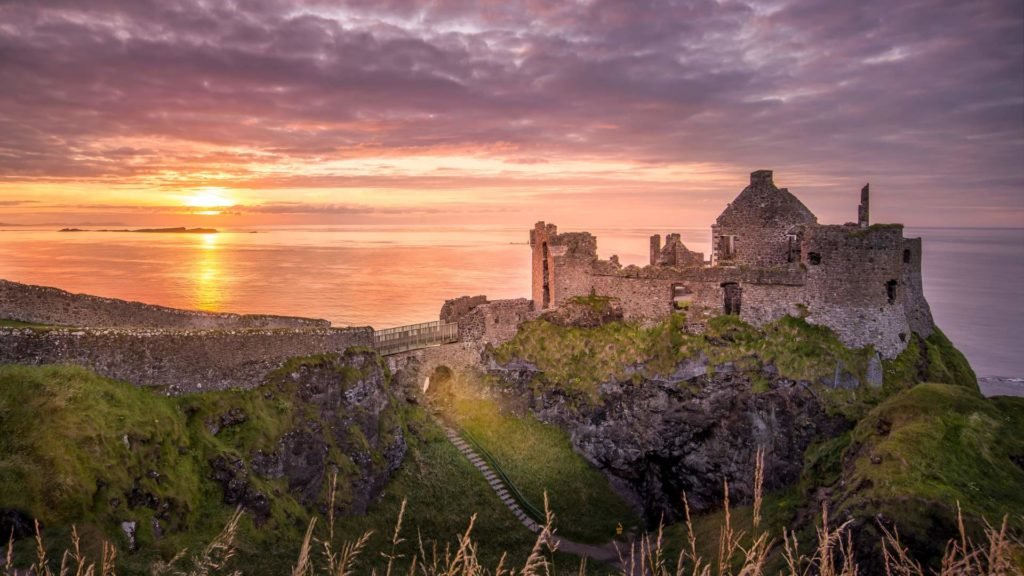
x,y
662,438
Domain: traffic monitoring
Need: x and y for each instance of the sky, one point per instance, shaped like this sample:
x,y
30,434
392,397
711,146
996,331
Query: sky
x,y
586,113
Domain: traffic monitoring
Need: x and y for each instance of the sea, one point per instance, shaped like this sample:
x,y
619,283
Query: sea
x,y
390,275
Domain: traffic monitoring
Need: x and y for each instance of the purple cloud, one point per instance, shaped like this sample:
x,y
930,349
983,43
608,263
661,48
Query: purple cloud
x,y
927,97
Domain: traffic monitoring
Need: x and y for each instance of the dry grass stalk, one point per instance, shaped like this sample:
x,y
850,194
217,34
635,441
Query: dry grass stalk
x,y
758,487
108,565
536,562
396,539
42,566
9,563
81,568
303,566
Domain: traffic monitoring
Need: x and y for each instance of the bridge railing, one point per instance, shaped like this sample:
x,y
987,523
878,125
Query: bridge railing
x,y
415,336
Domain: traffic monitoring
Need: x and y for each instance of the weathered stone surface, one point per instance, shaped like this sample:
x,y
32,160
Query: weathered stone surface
x,y
584,314
356,416
183,361
770,258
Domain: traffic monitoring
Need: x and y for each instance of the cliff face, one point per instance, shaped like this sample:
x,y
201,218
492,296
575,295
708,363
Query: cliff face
x,y
661,438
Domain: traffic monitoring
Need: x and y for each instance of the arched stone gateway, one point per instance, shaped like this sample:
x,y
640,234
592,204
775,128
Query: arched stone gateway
x,y
418,371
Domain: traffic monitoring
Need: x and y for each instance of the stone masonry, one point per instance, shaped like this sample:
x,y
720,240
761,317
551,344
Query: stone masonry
x,y
770,257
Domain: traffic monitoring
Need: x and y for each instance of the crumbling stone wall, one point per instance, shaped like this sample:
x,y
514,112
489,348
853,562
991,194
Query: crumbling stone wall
x,y
183,361
45,305
919,314
568,258
480,320
864,282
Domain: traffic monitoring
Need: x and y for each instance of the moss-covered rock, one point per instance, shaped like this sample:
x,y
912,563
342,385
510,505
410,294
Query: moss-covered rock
x,y
912,460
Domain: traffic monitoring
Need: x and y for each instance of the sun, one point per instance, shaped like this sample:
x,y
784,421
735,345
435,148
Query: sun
x,y
208,200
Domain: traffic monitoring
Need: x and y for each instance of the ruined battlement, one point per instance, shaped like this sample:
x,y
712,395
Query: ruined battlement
x,y
770,257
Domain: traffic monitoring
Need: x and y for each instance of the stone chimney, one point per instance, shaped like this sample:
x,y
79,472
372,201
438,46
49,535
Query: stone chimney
x,y
862,210
761,178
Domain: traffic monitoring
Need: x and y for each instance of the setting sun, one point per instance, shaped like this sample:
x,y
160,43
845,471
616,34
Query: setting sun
x,y
209,200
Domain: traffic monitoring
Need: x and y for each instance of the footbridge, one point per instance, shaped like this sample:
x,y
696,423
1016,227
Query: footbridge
x,y
413,337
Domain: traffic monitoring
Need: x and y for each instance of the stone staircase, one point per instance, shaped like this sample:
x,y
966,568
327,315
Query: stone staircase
x,y
496,484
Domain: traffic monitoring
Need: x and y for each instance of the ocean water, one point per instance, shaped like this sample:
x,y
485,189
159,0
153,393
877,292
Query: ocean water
x,y
393,275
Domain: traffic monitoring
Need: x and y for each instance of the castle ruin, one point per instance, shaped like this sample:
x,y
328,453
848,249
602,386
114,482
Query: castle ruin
x,y
770,257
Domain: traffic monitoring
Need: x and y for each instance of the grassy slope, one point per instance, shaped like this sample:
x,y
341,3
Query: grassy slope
x,y
67,469
580,359
539,458
941,444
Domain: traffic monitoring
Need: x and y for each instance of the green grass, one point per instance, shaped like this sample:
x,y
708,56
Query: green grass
x,y
63,458
581,359
5,323
918,454
539,458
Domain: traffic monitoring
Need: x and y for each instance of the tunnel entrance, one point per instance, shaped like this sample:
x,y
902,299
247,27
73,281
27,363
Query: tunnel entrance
x,y
733,297
439,381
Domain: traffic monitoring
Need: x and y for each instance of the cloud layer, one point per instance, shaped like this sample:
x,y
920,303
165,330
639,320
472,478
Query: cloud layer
x,y
483,102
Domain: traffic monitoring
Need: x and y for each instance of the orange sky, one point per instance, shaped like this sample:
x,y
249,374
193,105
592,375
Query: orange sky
x,y
643,113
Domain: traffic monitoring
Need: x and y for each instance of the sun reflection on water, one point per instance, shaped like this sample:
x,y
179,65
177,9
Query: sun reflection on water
x,y
209,289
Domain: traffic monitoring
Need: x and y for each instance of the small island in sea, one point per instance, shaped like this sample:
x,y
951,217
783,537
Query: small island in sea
x,y
177,230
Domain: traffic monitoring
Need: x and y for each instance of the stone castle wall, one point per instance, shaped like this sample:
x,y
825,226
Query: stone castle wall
x,y
919,314
45,305
182,361
493,322
760,221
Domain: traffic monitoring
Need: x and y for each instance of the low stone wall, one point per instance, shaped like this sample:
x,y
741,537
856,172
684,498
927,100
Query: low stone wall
x,y
183,361
45,305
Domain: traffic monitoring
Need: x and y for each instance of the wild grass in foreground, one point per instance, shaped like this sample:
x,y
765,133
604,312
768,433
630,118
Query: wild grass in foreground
x,y
833,553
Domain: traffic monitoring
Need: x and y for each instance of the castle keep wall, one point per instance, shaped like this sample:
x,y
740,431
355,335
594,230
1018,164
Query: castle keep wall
x,y
44,305
183,361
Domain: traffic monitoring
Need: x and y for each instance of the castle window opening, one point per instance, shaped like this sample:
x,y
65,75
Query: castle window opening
x,y
681,295
727,246
794,248
890,290
733,297
814,258
906,256
546,278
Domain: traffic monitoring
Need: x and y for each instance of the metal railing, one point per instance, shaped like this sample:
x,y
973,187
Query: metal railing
x,y
413,337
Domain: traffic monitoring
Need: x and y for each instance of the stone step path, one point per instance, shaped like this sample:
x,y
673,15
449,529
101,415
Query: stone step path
x,y
607,553
495,482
